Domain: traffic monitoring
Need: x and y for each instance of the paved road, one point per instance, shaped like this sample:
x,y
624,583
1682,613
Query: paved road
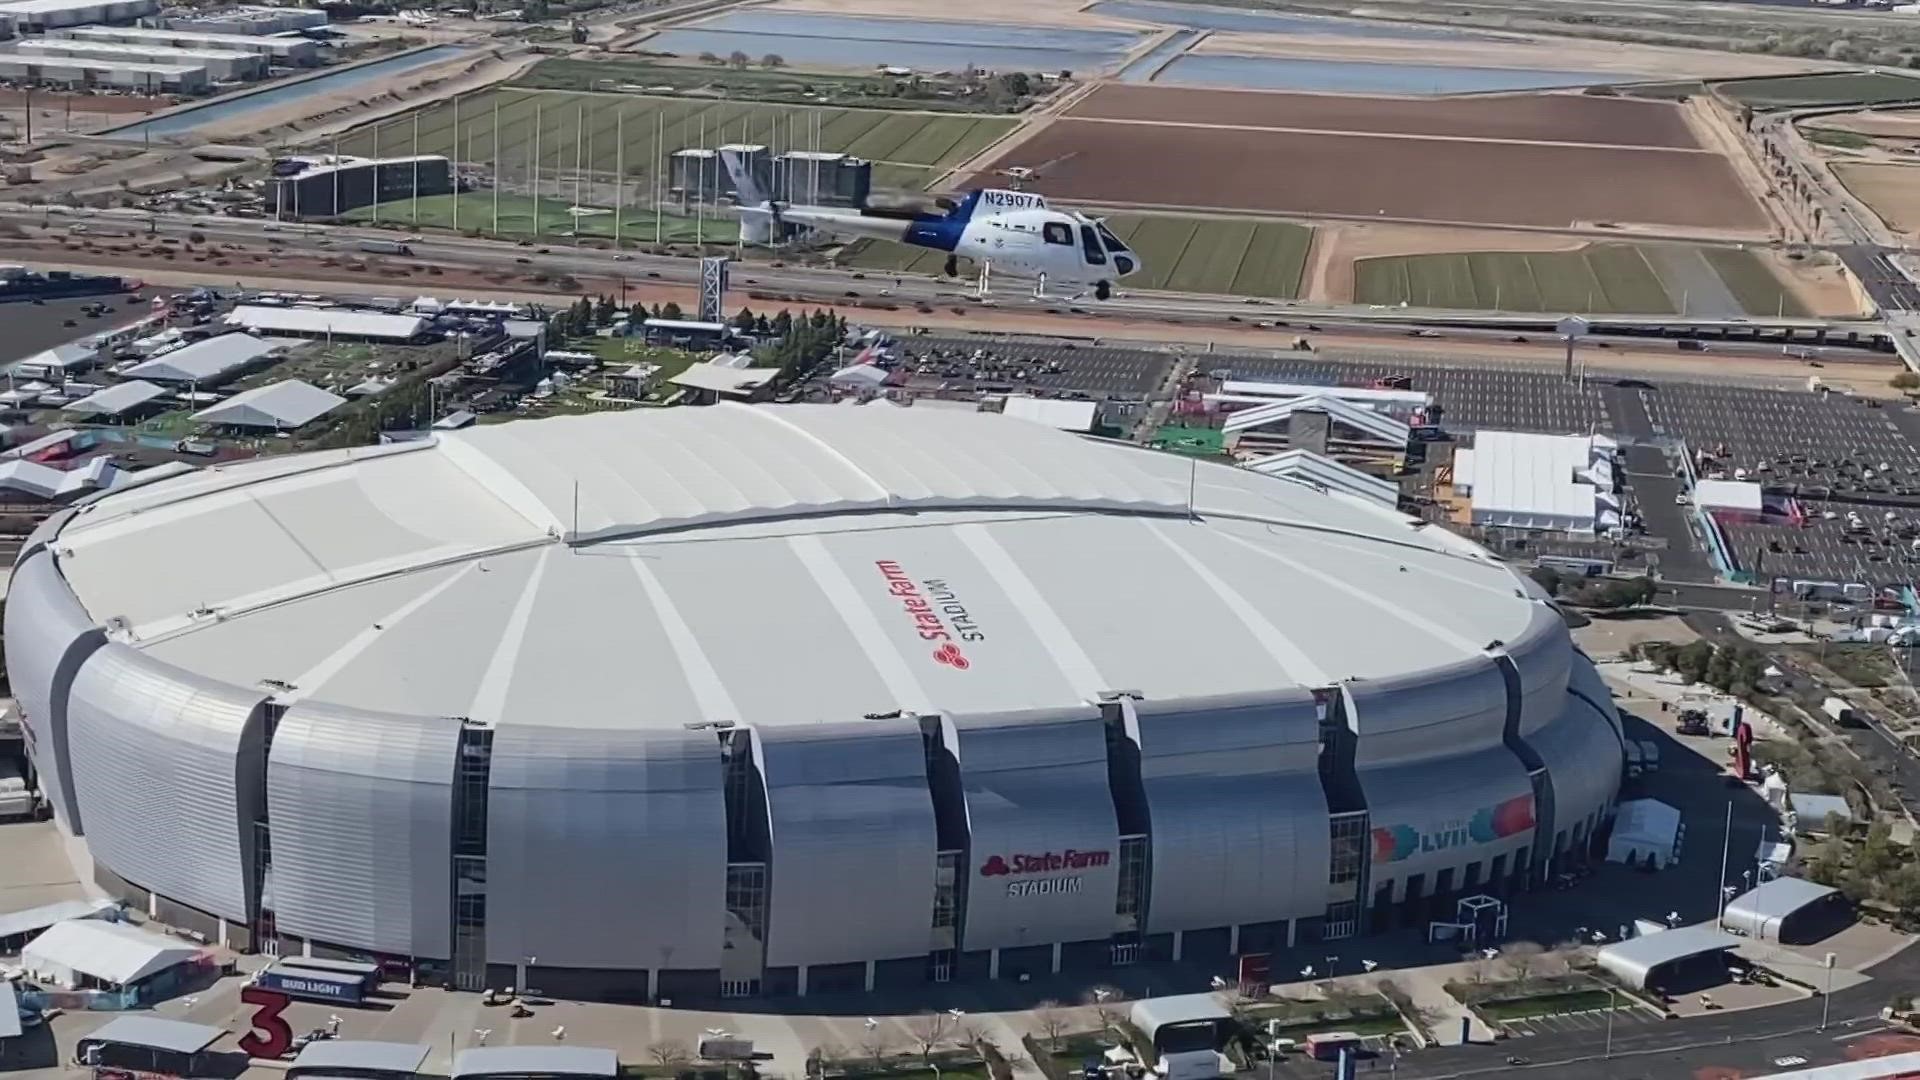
x,y
1745,1042
1889,288
816,284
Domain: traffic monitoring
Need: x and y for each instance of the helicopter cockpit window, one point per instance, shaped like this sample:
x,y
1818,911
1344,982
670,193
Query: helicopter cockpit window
x,y
1113,242
1057,232
1090,246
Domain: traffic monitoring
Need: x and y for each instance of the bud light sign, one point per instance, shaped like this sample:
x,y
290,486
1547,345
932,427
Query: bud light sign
x,y
1393,843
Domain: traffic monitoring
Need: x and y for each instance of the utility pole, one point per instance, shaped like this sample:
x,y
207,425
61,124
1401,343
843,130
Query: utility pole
x,y
579,140
455,165
659,137
378,170
496,167
619,172
1726,845
416,171
536,170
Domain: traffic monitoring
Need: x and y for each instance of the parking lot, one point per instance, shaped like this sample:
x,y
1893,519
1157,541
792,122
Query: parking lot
x,y
1798,441
1624,1017
1856,544
980,363
1471,397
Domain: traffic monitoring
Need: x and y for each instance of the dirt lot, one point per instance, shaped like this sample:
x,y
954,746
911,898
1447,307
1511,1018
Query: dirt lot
x,y
1891,191
49,103
1369,175
1525,117
1887,123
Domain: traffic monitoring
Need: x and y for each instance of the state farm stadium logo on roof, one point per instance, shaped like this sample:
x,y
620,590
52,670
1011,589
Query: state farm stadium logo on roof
x,y
937,613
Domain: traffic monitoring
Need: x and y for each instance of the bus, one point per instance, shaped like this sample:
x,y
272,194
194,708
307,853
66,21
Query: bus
x,y
1326,1045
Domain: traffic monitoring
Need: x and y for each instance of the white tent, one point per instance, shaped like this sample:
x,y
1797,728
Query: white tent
x,y
281,406
1645,829
69,953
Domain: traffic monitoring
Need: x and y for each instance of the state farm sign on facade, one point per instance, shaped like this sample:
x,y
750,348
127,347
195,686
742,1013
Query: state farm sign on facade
x,y
1024,865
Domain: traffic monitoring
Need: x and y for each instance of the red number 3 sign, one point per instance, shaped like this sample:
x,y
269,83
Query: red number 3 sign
x,y
270,1037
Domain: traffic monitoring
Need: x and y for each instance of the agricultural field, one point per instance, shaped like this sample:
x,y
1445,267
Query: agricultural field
x,y
555,219
768,85
1840,88
496,128
1522,117
1597,278
1892,192
1552,160
1227,256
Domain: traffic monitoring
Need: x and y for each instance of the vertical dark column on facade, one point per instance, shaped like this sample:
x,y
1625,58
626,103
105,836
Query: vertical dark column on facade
x,y
254,816
1134,817
1527,868
1348,823
749,853
950,871
471,770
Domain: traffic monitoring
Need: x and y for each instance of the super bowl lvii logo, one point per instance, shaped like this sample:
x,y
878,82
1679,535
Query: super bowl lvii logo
x,y
1392,843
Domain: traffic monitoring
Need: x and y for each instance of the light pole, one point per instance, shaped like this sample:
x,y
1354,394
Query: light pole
x,y
1826,996
1612,1004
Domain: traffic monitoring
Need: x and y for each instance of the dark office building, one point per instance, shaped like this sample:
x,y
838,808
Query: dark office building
x,y
323,189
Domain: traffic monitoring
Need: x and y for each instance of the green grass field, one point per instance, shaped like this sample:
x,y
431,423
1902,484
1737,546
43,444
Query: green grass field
x,y
1840,88
1552,1004
1238,257
907,148
555,222
1755,286
1599,278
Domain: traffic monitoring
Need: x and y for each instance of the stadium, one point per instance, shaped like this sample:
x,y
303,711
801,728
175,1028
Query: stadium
x,y
755,700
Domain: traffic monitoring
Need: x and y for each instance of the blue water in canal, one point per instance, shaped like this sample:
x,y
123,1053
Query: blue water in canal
x,y
226,109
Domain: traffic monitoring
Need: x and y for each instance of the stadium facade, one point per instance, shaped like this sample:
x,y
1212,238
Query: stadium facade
x,y
777,700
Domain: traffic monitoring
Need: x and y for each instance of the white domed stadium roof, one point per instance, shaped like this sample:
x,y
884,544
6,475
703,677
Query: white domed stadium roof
x,y
772,565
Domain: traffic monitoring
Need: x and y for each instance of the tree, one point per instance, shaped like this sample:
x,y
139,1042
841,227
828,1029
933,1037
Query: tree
x,y
709,58
669,1053
670,310
1521,960
1547,578
743,322
1052,1021
773,60
1692,660
928,1030
738,60
1906,380
875,1044
1016,84
1108,1004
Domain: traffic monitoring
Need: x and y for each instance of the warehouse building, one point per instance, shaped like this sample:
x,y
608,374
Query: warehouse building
x,y
79,73
842,698
40,16
253,21
219,65
281,52
327,187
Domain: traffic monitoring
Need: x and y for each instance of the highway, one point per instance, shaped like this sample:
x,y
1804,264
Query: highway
x,y
814,284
